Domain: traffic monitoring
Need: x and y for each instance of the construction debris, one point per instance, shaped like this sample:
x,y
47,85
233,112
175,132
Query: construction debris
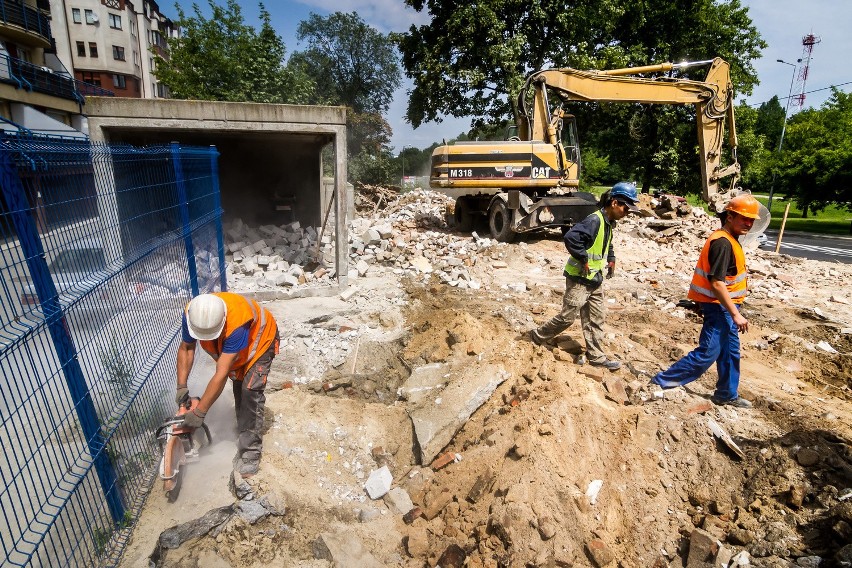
x,y
444,369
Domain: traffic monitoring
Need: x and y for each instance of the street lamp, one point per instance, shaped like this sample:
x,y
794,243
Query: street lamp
x,y
784,126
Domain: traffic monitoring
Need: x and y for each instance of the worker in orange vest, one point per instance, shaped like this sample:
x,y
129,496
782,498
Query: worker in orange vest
x,y
719,286
242,338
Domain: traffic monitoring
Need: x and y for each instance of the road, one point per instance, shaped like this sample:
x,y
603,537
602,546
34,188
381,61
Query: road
x,y
808,245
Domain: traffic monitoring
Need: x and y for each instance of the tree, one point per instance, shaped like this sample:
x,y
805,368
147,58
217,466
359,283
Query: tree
x,y
471,60
815,165
356,66
223,59
755,153
769,122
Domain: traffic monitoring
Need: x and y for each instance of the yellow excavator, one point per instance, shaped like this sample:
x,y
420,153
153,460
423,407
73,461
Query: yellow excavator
x,y
530,180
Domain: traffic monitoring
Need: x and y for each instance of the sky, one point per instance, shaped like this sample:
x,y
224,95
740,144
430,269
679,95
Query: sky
x,y
781,23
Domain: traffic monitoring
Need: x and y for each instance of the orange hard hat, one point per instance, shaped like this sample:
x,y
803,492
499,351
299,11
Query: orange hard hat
x,y
744,205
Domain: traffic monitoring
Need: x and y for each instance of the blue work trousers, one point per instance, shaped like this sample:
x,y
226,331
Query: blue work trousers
x,y
719,342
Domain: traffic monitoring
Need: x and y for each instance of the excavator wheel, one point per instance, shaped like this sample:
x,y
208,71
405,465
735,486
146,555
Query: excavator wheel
x,y
500,222
463,215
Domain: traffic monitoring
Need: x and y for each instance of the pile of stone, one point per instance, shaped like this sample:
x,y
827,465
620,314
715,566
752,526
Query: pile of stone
x,y
272,256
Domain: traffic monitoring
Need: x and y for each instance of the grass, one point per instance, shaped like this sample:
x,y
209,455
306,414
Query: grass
x,y
832,220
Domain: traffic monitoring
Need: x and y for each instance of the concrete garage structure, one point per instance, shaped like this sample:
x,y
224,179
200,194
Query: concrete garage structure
x,y
270,163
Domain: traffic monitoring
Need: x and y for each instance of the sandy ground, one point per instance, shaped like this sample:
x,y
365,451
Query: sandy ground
x,y
520,495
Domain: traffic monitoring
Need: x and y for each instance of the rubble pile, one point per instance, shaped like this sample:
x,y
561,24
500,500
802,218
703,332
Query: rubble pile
x,y
414,419
272,256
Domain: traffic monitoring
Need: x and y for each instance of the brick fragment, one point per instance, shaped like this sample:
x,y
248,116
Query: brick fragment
x,y
412,515
700,408
444,460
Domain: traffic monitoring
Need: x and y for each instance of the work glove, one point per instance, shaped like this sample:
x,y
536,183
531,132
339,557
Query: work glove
x,y
610,268
194,418
586,269
181,395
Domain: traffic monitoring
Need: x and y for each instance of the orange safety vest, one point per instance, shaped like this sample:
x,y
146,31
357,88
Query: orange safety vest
x,y
262,332
701,290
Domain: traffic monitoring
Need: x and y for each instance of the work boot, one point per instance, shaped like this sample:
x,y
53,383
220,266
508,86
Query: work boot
x,y
610,364
539,340
738,402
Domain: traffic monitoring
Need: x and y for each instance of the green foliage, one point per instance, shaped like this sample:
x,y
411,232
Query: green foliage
x,y
373,169
815,165
595,169
754,153
222,59
471,60
769,122
354,66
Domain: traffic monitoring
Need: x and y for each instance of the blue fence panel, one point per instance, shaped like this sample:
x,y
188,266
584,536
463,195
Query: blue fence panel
x,y
96,270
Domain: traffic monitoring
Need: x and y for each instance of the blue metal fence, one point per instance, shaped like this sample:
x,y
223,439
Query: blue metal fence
x,y
101,246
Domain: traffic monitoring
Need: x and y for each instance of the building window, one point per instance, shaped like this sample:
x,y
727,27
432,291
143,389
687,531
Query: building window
x,y
91,18
81,49
115,21
118,52
119,82
75,14
132,27
93,49
91,78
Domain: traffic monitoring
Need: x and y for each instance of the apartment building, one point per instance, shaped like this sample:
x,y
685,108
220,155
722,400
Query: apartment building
x,y
111,43
37,92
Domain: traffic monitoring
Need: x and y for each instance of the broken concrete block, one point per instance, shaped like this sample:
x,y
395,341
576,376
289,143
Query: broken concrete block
x,y
435,425
398,501
251,511
702,549
379,482
258,245
344,549
615,390
348,293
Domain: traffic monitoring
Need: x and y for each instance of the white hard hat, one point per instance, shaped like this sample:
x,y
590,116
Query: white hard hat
x,y
205,316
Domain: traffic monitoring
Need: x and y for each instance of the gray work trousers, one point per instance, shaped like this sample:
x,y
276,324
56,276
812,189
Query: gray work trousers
x,y
589,303
249,402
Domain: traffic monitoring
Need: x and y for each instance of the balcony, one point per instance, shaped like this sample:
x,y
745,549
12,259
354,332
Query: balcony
x,y
22,22
31,77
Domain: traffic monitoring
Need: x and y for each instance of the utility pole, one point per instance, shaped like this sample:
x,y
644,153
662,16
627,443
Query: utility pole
x,y
784,126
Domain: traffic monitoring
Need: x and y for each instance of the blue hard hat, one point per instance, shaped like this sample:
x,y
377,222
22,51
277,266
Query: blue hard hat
x,y
624,190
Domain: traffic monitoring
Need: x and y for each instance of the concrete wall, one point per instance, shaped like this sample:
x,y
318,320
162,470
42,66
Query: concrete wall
x,y
269,154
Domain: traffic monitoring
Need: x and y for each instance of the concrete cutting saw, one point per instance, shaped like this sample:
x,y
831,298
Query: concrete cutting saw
x,y
179,445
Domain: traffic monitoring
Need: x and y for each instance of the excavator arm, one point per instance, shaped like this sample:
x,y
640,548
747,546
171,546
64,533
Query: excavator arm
x,y
713,100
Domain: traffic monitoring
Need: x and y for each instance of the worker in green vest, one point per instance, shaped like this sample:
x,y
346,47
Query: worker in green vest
x,y
589,244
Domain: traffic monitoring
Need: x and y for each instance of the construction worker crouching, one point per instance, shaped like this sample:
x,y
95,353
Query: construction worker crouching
x,y
242,337
719,286
589,244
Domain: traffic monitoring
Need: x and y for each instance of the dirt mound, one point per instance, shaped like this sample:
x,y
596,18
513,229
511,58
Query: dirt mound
x,y
553,469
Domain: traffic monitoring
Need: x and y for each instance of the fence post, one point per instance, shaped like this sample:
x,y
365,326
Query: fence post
x,y
18,207
180,182
220,238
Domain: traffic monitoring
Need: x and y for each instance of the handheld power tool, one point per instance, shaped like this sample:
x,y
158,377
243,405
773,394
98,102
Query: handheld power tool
x,y
179,445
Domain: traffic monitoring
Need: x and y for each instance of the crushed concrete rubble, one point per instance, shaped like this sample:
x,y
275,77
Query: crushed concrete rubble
x,y
412,424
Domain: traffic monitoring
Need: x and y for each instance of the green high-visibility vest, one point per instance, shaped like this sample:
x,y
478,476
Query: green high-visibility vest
x,y
596,252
